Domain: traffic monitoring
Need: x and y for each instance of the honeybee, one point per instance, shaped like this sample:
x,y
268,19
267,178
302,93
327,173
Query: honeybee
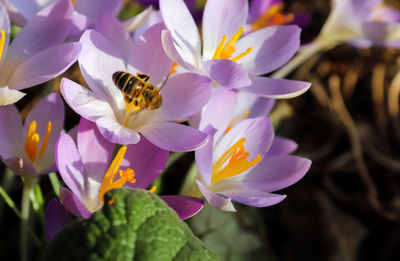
x,y
138,90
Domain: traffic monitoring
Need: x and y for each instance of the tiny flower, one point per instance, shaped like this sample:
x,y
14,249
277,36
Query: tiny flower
x,y
28,149
246,163
86,170
36,54
116,115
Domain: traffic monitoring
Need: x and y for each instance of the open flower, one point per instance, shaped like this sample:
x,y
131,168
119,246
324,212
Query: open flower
x,y
28,149
230,59
89,171
246,163
117,118
36,54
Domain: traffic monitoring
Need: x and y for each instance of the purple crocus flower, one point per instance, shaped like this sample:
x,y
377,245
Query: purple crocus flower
x,y
36,54
235,63
246,163
88,173
110,51
28,149
191,4
362,22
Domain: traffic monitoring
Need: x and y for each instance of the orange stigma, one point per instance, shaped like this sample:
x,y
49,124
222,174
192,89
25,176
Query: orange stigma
x,y
173,68
225,51
32,141
153,189
237,119
233,162
273,16
125,175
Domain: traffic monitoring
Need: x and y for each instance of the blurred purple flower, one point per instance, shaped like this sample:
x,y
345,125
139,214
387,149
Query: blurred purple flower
x,y
86,170
246,163
36,54
28,149
110,51
191,4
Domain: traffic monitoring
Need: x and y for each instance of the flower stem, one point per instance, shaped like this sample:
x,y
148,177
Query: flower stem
x,y
29,182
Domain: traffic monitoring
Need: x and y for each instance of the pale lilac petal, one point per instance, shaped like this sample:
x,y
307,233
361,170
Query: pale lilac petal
x,y
29,9
177,18
44,65
21,166
218,112
70,166
216,200
95,151
46,30
254,198
98,61
80,23
93,8
184,206
72,203
151,59
227,73
204,156
259,7
152,19
252,105
258,133
83,101
140,21
109,26
55,218
173,137
146,160
184,95
179,52
4,25
272,47
114,132
11,132
281,146
221,17
381,32
275,173
8,96
48,109
276,88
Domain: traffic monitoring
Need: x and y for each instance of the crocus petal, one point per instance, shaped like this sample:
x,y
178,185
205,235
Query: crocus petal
x,y
44,65
254,198
181,22
227,73
96,153
114,132
11,135
55,218
93,8
275,173
70,166
259,7
83,101
80,23
72,203
184,206
8,96
173,137
146,160
272,47
252,105
20,166
281,146
204,156
29,9
276,88
381,32
151,59
216,200
184,95
48,109
139,20
221,17
4,25
49,28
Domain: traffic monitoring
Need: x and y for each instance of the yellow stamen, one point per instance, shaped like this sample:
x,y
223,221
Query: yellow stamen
x,y
125,175
46,139
237,163
237,119
153,189
173,68
225,51
2,42
273,16
32,141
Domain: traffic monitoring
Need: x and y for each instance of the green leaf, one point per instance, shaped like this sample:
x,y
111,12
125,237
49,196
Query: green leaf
x,y
133,225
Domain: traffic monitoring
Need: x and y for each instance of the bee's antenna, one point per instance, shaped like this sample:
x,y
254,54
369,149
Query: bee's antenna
x,y
165,81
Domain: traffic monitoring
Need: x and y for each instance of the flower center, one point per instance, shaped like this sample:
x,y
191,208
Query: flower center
x,y
225,50
2,42
236,120
273,16
32,141
233,162
124,175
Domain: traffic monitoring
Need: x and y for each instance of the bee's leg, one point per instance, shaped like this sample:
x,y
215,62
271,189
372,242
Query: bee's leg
x,y
165,81
143,76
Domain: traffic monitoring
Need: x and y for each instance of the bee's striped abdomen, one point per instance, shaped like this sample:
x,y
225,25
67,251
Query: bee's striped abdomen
x,y
127,83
